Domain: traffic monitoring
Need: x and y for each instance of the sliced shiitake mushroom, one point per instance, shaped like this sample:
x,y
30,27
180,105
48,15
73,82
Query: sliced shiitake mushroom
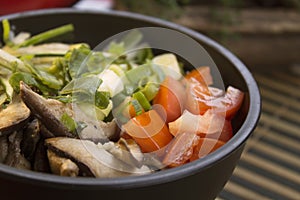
x,y
62,166
48,111
92,159
41,162
13,117
45,132
31,136
14,157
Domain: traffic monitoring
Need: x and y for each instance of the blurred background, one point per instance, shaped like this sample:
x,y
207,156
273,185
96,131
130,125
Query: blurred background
x,y
265,35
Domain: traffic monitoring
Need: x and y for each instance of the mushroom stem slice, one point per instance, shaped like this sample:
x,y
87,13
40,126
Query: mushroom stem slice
x,y
62,166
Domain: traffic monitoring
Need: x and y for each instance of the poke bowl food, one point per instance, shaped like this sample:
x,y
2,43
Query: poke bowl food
x,y
138,121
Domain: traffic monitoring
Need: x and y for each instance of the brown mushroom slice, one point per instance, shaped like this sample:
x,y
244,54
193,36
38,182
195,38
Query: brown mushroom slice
x,y
48,111
41,163
45,132
14,157
62,166
31,137
13,117
3,148
91,158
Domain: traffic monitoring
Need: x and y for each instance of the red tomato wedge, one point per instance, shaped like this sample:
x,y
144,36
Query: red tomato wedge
x,y
149,131
171,98
209,123
201,75
198,96
199,100
204,147
225,135
181,149
232,102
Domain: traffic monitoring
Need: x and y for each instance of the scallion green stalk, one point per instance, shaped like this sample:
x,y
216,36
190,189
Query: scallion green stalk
x,y
140,97
150,90
137,107
47,35
6,31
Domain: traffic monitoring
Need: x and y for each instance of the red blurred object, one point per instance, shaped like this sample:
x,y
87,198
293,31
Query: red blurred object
x,y
13,6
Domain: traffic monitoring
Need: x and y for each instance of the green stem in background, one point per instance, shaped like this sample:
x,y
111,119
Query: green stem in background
x,y
6,31
47,35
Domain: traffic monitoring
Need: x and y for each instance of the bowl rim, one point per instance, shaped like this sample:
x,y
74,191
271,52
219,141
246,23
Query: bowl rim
x,y
160,177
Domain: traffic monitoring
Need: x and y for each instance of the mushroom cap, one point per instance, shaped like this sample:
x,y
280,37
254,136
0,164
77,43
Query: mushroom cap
x,y
13,117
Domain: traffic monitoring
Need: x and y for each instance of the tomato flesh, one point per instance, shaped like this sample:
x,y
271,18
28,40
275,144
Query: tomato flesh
x,y
149,131
204,147
225,135
181,149
199,100
198,97
232,102
201,75
170,97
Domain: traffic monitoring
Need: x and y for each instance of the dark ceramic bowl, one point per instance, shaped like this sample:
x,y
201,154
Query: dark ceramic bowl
x,y
202,179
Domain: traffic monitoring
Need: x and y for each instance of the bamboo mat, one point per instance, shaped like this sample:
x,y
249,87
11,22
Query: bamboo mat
x,y
270,164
